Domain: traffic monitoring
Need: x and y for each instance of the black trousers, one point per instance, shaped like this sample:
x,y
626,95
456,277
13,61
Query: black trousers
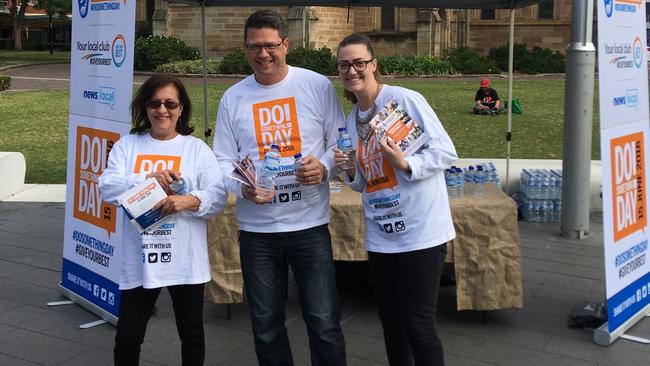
x,y
136,306
406,287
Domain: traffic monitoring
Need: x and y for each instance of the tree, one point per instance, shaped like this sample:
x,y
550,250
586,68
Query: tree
x,y
17,12
52,7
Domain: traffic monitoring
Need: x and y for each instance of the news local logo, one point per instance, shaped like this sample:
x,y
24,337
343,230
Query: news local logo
x,y
627,154
630,99
103,95
91,158
104,53
626,55
85,6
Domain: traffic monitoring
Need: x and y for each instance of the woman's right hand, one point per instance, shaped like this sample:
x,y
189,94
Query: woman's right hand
x,y
165,178
341,159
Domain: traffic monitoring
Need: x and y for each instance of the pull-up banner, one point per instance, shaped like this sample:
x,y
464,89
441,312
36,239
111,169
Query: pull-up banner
x,y
624,126
101,80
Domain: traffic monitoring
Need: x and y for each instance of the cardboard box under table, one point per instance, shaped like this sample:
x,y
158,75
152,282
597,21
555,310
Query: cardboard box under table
x,y
485,253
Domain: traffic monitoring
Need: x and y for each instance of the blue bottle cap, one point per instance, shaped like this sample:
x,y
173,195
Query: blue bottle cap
x,y
274,146
342,129
297,156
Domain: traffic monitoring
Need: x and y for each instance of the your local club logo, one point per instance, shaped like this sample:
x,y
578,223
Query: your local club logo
x,y
625,55
103,95
623,6
85,6
104,53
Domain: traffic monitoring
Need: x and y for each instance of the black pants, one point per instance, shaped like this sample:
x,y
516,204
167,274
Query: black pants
x,y
406,286
136,306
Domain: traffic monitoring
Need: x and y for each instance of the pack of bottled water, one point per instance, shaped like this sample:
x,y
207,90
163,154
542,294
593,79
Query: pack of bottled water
x,y
540,195
470,181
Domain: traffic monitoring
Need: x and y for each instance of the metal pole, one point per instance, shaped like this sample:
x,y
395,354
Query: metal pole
x,y
578,115
511,52
204,59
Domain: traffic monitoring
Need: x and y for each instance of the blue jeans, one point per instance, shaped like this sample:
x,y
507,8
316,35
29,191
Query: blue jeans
x,y
265,258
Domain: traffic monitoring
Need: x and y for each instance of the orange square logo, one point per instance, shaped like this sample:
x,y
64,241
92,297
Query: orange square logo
x,y
379,174
156,163
628,184
276,122
91,158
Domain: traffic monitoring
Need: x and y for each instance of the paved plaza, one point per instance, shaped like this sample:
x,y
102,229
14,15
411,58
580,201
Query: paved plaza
x,y
557,273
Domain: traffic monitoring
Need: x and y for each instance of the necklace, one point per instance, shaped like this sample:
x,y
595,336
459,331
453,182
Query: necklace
x,y
362,123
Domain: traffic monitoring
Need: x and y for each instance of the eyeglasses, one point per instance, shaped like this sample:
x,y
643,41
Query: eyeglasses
x,y
359,65
269,47
169,104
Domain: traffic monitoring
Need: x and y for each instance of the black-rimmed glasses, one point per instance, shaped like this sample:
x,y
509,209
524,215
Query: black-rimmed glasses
x,y
169,104
269,47
359,65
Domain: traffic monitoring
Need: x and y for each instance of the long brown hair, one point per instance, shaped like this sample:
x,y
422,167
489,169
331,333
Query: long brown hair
x,y
139,116
358,38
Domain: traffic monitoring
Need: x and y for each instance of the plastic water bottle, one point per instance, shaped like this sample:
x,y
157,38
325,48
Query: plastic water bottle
x,y
548,211
469,181
557,210
344,143
308,192
545,186
179,187
479,179
495,175
449,180
460,183
266,179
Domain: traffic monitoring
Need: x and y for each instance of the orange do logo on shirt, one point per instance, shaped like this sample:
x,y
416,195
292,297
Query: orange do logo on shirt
x,y
91,158
628,184
276,122
379,174
156,163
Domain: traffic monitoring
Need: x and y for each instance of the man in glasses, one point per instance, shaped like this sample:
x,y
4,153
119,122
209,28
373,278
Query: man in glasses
x,y
297,110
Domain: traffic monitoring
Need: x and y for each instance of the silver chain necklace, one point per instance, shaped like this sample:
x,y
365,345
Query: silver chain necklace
x,y
362,123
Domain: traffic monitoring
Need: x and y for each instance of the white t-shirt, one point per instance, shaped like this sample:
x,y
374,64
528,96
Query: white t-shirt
x,y
176,251
404,212
301,114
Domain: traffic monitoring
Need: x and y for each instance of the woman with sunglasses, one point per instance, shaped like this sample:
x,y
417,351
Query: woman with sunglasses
x,y
173,254
407,215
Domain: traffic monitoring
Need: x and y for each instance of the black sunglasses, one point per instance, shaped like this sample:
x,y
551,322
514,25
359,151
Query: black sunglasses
x,y
169,104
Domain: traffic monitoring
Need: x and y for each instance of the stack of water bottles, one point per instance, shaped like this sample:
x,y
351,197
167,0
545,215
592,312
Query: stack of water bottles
x,y
540,195
470,181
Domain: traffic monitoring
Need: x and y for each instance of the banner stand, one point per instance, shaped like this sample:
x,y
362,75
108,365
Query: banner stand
x,y
602,337
88,305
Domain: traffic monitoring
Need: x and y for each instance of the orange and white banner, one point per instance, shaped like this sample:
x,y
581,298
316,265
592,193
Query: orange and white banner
x,y
624,132
101,82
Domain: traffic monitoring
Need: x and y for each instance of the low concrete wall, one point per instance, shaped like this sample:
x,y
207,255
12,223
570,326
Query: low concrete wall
x,y
517,165
12,168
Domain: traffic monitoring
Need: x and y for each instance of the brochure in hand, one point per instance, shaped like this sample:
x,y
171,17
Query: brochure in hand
x,y
138,203
394,123
245,172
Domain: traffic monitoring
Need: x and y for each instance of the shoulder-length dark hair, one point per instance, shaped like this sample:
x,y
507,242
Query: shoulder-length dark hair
x,y
139,117
358,38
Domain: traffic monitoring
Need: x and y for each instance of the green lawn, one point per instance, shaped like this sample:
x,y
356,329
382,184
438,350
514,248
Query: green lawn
x,y
35,123
21,57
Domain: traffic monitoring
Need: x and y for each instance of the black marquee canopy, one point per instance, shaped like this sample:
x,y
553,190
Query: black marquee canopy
x,y
449,4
